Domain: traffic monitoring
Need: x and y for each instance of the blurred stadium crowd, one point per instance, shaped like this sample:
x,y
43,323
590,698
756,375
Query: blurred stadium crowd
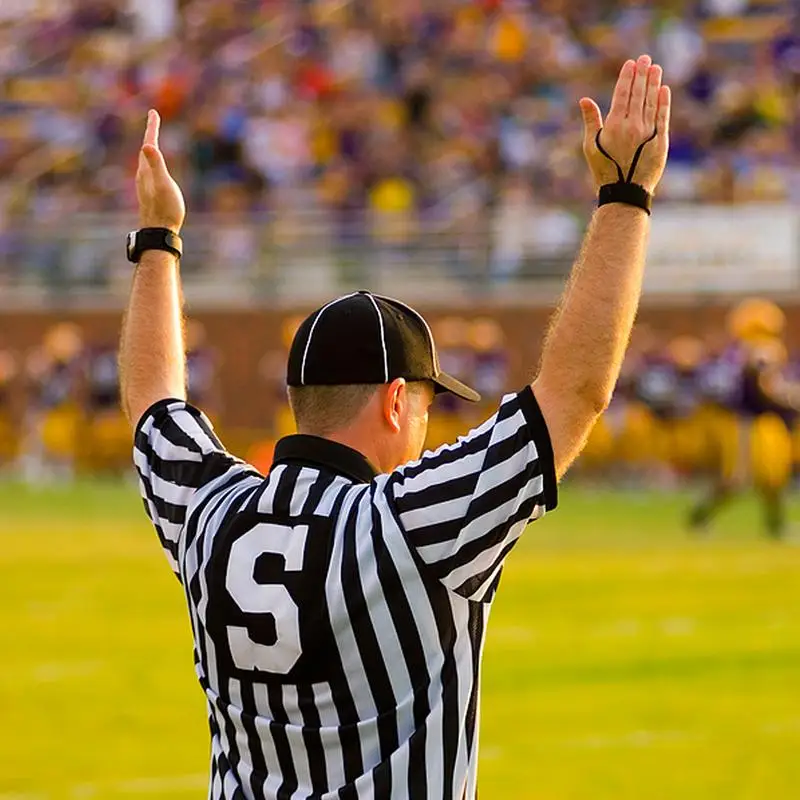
x,y
394,120
724,410
391,125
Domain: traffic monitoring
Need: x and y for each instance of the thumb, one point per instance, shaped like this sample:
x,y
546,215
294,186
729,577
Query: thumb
x,y
154,158
592,118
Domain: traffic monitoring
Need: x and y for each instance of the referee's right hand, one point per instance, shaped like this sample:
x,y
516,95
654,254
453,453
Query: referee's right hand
x,y
161,203
640,106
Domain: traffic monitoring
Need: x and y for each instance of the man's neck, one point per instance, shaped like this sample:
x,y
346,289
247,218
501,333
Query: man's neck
x,y
361,442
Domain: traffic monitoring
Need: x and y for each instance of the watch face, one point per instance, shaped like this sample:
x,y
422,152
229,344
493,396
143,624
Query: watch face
x,y
131,244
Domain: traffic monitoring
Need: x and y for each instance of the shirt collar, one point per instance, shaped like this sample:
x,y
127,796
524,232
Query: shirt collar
x,y
314,450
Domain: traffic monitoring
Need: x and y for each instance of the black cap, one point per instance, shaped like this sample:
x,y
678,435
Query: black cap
x,y
366,338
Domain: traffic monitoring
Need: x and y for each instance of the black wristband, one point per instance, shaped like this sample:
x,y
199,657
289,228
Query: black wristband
x,y
631,194
625,190
153,239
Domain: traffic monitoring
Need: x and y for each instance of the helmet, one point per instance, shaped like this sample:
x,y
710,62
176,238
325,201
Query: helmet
x,y
686,352
63,342
486,335
450,332
756,318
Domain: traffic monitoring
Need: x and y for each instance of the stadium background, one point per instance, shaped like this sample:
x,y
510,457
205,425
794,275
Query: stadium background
x,y
430,150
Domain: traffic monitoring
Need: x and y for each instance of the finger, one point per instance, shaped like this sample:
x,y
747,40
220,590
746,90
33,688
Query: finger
x,y
639,88
592,118
621,98
654,75
664,109
155,160
153,126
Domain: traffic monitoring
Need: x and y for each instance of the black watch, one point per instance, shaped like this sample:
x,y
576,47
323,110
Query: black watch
x,y
153,239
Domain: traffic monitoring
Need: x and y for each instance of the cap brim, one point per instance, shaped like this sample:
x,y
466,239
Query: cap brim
x,y
447,383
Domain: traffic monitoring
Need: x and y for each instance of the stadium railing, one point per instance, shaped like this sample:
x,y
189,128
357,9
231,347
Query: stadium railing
x,y
299,256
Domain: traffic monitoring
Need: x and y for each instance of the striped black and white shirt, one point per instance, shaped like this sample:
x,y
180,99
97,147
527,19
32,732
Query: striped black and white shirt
x,y
339,615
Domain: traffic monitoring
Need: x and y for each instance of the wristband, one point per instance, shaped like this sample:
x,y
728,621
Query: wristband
x,y
625,190
153,239
631,194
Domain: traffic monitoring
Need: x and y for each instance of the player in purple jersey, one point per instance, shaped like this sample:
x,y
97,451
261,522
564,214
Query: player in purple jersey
x,y
456,358
102,379
108,441
8,433
55,373
622,438
490,360
719,376
666,387
748,382
201,369
630,425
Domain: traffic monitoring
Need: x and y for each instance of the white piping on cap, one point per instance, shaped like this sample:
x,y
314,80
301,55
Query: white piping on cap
x,y
311,333
383,340
423,321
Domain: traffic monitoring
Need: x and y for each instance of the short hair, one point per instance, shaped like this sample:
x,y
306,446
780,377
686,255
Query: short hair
x,y
322,410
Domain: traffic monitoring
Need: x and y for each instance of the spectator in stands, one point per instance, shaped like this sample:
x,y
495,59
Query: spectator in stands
x,y
421,114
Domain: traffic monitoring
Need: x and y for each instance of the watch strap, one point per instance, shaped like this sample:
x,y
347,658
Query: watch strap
x,y
153,239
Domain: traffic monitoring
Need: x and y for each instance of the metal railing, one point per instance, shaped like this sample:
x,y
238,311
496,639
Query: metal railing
x,y
296,256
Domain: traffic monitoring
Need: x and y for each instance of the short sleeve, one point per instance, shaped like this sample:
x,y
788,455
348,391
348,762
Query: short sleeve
x,y
464,506
178,457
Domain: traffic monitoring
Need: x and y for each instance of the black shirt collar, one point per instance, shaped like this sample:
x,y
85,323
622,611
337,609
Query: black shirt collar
x,y
316,451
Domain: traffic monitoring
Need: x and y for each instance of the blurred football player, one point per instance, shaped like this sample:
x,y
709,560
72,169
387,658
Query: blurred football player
x,y
490,360
613,449
108,447
201,369
628,431
666,388
9,439
718,384
54,373
457,358
766,401
685,444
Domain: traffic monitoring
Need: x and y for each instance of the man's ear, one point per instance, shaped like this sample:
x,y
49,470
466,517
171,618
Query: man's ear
x,y
395,399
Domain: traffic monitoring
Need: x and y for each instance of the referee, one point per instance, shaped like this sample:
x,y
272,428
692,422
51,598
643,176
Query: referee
x,y
339,604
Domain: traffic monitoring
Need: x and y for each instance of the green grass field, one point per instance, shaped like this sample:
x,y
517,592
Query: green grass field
x,y
623,661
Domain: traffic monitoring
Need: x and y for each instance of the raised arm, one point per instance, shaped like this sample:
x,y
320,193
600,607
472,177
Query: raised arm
x,y
152,351
584,348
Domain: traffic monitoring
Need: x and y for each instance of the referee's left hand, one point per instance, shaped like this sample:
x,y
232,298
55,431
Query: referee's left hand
x,y
640,111
161,203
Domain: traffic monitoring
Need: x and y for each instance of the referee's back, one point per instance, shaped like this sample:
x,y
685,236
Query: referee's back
x,y
338,614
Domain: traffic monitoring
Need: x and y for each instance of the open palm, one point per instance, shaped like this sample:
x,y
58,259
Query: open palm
x,y
640,111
